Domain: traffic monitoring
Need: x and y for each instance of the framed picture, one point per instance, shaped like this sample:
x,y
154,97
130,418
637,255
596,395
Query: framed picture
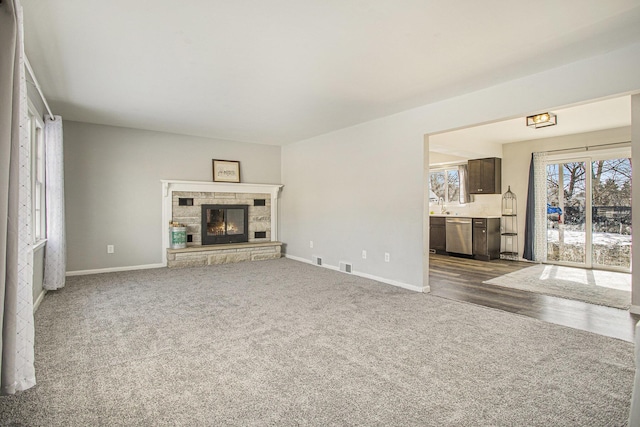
x,y
226,171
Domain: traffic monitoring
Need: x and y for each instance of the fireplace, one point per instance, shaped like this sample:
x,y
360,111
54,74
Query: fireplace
x,y
225,224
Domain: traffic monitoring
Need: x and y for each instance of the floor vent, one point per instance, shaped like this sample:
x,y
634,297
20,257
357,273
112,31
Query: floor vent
x,y
317,260
345,267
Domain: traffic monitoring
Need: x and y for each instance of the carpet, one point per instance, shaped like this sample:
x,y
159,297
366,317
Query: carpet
x,y
286,343
599,287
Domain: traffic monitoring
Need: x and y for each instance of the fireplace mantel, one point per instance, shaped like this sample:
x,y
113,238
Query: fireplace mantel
x,y
169,186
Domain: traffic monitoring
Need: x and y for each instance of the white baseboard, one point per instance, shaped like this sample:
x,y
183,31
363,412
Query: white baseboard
x,y
38,300
635,309
365,275
113,269
295,258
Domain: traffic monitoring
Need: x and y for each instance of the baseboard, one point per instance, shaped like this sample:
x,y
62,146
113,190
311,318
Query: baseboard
x,y
38,300
295,258
364,275
114,269
392,282
634,309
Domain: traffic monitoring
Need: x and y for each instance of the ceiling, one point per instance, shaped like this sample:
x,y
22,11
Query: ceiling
x,y
279,71
469,142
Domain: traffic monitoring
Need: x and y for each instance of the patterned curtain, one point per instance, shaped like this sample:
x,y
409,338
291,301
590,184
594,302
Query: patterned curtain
x,y
17,363
535,231
540,194
55,262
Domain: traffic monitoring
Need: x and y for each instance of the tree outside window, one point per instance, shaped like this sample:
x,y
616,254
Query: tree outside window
x,y
444,185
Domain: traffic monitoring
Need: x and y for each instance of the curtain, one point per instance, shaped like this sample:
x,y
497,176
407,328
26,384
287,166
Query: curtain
x,y
540,193
535,231
530,216
16,364
55,262
463,174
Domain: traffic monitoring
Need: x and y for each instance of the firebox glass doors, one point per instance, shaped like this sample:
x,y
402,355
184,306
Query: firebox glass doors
x,y
224,224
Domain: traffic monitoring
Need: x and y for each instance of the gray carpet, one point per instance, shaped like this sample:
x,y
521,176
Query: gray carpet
x,y
609,288
284,343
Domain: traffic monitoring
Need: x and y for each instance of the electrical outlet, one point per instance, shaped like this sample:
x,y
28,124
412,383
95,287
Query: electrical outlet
x,y
110,249
387,257
364,254
311,243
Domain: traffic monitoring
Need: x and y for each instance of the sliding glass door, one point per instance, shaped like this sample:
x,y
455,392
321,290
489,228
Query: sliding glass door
x,y
589,212
567,209
611,217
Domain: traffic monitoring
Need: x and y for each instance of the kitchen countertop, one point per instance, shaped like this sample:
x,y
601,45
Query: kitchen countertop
x,y
463,216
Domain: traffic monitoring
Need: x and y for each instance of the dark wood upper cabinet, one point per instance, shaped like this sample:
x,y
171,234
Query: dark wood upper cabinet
x,y
485,176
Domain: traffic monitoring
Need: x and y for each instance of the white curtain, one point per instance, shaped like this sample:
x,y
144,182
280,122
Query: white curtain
x,y
55,262
463,175
17,363
540,177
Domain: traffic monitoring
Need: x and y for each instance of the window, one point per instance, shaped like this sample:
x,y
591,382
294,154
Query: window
x,y
444,185
36,135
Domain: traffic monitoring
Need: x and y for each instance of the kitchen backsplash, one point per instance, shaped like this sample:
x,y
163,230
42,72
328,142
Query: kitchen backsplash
x,y
482,205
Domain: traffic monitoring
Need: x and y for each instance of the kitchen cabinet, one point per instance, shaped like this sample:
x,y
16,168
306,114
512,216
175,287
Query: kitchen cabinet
x,y
486,238
485,176
437,234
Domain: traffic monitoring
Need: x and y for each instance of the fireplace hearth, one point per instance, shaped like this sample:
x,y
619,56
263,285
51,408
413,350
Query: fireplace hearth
x,y
225,224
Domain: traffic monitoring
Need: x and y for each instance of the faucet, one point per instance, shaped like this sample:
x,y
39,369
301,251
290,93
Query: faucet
x,y
443,208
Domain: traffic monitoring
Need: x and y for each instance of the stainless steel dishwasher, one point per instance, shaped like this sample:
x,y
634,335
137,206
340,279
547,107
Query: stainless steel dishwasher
x,y
459,236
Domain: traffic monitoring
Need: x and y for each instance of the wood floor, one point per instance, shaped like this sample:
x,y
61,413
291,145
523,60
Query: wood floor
x,y
461,279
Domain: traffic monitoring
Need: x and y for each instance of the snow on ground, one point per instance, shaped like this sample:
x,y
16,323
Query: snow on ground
x,y
578,238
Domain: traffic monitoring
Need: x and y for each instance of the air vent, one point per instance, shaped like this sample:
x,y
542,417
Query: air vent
x,y
184,201
316,260
345,267
259,202
260,235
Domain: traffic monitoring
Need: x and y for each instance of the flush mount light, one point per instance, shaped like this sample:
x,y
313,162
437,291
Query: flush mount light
x,y
542,120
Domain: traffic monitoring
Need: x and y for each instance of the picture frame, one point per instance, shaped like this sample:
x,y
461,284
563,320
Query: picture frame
x,y
226,170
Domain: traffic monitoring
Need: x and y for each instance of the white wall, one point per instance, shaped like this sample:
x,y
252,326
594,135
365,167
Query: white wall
x,y
354,190
362,187
517,156
440,158
113,190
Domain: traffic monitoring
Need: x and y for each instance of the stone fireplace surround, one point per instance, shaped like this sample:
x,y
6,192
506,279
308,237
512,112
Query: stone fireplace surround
x,y
261,218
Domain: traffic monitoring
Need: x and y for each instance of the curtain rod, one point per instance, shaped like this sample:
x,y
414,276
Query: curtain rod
x,y
587,147
35,82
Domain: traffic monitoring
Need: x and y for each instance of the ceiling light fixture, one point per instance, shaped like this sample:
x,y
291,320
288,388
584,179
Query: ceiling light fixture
x,y
542,120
